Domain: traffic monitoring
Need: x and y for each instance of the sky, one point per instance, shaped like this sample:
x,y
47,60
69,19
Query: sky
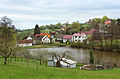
x,y
27,13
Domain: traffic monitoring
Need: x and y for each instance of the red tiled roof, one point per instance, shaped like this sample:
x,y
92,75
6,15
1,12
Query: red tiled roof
x,y
24,41
89,32
67,37
42,34
78,34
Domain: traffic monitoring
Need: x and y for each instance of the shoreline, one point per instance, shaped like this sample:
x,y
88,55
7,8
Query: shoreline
x,y
51,46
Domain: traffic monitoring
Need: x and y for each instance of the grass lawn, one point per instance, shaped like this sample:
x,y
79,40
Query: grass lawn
x,y
19,70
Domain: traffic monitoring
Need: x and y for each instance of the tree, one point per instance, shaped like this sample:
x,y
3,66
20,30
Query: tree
x,y
7,38
105,18
36,30
41,54
59,57
91,57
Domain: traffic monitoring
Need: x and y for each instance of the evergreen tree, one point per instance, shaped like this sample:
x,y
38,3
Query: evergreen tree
x,y
36,30
91,58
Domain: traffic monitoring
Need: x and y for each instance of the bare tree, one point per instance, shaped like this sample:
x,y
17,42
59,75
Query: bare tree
x,y
59,57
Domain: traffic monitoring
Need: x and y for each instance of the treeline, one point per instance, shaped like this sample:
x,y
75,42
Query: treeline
x,y
107,36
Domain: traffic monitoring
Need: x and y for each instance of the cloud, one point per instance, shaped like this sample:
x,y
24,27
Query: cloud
x,y
26,13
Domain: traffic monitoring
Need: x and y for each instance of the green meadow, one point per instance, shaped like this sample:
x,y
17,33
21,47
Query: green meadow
x,y
20,70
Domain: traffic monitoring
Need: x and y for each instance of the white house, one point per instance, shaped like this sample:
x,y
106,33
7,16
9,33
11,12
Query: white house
x,y
65,63
43,37
24,43
79,37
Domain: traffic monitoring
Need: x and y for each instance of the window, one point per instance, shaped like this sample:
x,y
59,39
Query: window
x,y
75,40
75,36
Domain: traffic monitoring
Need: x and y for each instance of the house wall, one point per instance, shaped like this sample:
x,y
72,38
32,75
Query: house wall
x,y
79,38
24,45
46,40
29,38
65,40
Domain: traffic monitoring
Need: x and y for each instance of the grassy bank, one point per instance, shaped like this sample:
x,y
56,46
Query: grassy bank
x,y
48,45
19,70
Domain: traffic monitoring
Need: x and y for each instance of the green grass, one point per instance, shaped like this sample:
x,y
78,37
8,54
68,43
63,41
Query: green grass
x,y
19,70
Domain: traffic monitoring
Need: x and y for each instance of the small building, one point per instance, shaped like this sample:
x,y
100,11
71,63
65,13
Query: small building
x,y
65,63
79,37
67,38
24,43
59,38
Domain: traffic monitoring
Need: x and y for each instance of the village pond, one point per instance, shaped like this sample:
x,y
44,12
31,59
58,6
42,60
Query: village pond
x,y
83,55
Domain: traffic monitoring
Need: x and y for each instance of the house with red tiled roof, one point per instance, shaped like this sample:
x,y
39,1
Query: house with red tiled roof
x,y
79,37
43,37
25,42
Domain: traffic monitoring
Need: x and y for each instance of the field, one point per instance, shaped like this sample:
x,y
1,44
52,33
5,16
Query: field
x,y
19,70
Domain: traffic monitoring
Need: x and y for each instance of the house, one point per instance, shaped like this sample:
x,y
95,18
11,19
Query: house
x,y
79,37
59,38
43,37
67,38
100,33
24,43
65,63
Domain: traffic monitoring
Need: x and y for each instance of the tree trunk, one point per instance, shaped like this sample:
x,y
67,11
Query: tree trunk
x,y
58,64
5,62
111,43
40,61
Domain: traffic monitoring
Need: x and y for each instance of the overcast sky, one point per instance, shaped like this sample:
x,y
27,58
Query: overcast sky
x,y
27,13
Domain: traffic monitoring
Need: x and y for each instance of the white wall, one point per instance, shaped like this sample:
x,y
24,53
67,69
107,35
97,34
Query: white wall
x,y
29,38
79,38
24,45
64,40
45,39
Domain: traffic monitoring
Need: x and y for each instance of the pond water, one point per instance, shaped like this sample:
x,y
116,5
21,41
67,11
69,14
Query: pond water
x,y
83,55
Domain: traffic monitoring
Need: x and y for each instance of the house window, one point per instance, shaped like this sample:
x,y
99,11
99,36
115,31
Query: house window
x,y
75,36
75,40
79,36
